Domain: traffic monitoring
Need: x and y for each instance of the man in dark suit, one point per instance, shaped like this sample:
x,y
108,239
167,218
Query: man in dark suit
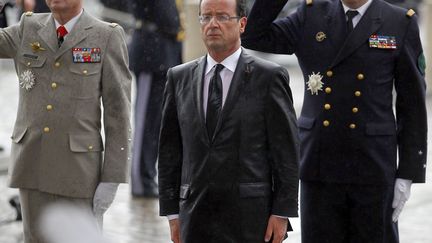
x,y
352,53
156,46
228,144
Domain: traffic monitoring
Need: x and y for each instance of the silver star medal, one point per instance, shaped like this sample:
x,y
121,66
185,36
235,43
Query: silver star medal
x,y
315,84
27,80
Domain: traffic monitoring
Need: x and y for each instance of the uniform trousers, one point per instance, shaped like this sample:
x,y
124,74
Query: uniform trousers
x,y
347,213
33,204
148,112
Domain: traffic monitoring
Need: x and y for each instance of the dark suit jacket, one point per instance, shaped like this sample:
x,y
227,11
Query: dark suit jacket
x,y
225,187
360,143
154,45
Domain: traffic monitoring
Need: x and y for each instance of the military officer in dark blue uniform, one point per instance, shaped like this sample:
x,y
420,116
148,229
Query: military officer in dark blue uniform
x,y
352,54
156,46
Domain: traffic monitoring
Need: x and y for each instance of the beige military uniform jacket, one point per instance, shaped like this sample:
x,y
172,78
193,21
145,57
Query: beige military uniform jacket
x,y
57,145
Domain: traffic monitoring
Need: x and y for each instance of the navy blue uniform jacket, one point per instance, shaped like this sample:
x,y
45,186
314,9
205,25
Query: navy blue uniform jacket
x,y
349,132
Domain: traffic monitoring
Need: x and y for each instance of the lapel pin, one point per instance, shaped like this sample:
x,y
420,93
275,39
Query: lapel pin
x,y
320,36
36,46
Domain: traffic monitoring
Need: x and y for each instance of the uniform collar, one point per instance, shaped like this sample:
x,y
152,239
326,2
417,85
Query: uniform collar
x,y
361,10
229,63
71,23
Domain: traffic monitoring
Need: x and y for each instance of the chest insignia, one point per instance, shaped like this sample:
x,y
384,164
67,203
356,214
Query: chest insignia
x,y
320,36
382,42
27,80
36,47
315,83
86,55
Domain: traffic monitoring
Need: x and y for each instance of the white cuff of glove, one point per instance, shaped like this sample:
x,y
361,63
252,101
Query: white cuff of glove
x,y
103,197
172,216
402,192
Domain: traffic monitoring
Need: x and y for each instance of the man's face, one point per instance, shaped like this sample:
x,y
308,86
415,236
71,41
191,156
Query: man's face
x,y
221,36
64,5
354,3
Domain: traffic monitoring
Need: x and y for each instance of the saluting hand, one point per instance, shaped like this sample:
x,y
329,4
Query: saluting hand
x,y
175,230
277,227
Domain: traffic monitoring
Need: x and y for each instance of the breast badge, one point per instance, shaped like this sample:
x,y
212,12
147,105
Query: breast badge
x,y
27,80
382,42
36,47
86,55
320,36
315,83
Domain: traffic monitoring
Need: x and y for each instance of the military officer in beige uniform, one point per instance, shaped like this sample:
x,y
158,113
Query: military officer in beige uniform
x,y
68,64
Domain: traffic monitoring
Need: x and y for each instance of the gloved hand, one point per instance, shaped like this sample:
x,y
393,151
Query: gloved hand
x,y
402,191
103,197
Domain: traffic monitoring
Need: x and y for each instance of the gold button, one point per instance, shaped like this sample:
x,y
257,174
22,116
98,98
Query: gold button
x,y
355,110
326,123
57,64
85,71
360,76
49,107
46,129
328,90
90,147
358,93
329,73
53,85
29,63
327,106
352,126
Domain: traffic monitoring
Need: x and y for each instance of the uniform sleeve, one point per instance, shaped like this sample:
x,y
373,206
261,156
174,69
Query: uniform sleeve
x,y
116,98
411,107
170,153
265,34
10,38
282,132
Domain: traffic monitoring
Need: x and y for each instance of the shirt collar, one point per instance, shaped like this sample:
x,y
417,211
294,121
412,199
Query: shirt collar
x,y
71,23
361,10
229,63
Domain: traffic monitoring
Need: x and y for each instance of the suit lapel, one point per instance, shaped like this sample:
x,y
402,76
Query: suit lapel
x,y
367,26
240,76
48,33
77,34
197,82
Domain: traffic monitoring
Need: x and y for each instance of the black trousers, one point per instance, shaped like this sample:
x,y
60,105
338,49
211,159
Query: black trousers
x,y
346,213
148,112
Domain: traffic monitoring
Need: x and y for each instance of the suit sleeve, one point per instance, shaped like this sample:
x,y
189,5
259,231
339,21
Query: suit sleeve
x,y
263,33
411,114
170,153
116,98
283,140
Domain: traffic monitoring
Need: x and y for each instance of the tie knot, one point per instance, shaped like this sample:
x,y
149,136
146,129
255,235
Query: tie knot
x,y
218,68
61,31
351,14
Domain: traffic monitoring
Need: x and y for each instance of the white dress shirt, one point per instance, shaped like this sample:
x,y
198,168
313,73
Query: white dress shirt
x,y
230,64
70,24
361,10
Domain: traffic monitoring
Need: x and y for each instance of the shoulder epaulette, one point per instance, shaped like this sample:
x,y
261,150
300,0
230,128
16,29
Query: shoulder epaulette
x,y
29,13
114,25
410,13
309,2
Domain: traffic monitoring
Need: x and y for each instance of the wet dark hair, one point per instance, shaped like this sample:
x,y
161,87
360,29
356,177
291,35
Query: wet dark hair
x,y
240,8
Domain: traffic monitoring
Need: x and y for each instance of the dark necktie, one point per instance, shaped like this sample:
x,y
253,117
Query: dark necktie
x,y
61,32
351,14
214,101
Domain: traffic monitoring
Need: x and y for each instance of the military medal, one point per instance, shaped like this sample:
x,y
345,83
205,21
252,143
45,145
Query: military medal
x,y
382,42
320,36
315,83
86,55
27,80
36,46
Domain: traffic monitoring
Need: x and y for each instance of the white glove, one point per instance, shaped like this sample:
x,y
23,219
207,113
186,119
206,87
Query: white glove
x,y
402,192
103,197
